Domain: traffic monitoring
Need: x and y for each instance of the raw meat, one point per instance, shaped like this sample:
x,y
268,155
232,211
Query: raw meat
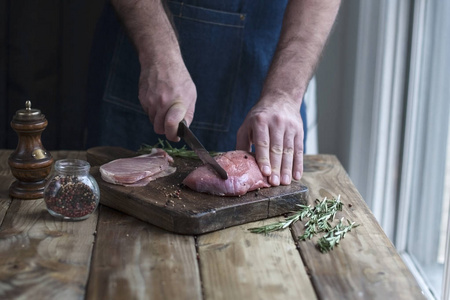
x,y
243,176
139,170
143,182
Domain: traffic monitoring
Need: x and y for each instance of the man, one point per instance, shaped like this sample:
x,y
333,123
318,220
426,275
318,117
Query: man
x,y
237,70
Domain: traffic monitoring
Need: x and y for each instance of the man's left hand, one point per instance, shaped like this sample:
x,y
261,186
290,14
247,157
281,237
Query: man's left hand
x,y
276,130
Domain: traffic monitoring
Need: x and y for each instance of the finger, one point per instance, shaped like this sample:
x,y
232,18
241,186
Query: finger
x,y
145,101
287,159
243,139
276,153
173,118
151,116
189,116
261,141
151,113
298,157
158,123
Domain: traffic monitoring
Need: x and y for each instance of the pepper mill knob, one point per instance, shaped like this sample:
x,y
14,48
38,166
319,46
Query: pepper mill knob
x,y
30,163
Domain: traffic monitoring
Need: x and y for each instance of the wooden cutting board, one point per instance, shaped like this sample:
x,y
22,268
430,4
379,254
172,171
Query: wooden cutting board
x,y
189,212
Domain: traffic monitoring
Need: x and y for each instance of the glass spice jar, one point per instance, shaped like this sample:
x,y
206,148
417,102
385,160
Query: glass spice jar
x,y
71,193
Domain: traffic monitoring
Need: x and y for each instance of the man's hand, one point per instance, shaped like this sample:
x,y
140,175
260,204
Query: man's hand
x,y
274,124
166,91
168,95
276,130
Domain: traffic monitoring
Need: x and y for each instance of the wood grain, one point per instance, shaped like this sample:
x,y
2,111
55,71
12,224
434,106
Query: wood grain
x,y
237,264
136,260
365,265
6,178
30,163
42,257
194,213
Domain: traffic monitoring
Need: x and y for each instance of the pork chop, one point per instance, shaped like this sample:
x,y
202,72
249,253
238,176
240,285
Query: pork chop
x,y
139,170
243,176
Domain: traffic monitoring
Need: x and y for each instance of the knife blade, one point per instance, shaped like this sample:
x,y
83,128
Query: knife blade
x,y
192,141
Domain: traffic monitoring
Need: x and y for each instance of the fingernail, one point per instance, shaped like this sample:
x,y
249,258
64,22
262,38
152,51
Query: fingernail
x,y
266,170
286,179
275,180
297,175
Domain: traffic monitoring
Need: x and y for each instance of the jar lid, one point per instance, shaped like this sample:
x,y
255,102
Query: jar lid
x,y
28,114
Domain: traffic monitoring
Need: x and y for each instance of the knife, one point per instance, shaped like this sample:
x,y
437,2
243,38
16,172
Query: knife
x,y
191,140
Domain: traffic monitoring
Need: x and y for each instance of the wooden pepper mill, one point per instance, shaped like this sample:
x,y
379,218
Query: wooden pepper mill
x,y
30,163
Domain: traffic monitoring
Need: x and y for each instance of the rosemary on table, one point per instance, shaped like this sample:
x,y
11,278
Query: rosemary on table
x,y
320,217
334,236
304,212
172,151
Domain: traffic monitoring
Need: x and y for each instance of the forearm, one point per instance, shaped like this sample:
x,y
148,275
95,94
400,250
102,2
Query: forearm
x,y
166,90
150,29
306,26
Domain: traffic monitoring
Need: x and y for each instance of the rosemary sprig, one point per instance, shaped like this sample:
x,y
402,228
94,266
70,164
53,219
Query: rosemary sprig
x,y
323,212
334,236
172,151
305,211
320,217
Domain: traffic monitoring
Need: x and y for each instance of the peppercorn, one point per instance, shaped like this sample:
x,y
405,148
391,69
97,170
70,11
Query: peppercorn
x,y
71,193
69,197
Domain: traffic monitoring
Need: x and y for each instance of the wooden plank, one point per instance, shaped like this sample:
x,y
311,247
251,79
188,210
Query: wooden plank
x,y
43,257
6,178
194,213
365,265
237,264
4,85
4,166
136,260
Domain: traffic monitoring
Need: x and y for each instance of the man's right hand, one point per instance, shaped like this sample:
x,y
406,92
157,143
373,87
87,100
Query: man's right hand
x,y
166,90
168,95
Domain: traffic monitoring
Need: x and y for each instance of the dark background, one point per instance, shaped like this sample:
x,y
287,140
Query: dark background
x,y
44,57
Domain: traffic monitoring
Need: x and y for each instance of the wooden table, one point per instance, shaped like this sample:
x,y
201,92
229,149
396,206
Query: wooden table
x,y
115,256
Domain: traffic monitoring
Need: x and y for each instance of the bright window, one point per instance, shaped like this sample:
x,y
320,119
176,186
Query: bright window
x,y
399,135
422,229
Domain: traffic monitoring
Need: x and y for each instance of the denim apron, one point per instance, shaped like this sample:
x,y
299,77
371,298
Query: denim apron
x,y
227,47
